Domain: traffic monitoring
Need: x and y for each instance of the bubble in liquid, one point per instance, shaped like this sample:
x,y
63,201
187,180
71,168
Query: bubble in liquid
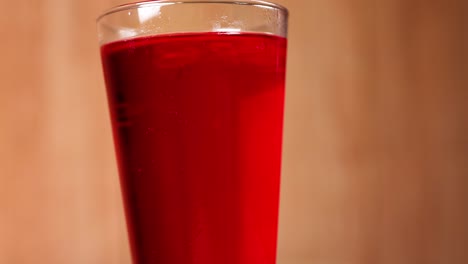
x,y
149,130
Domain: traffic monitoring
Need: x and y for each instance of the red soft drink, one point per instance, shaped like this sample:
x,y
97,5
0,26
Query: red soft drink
x,y
197,120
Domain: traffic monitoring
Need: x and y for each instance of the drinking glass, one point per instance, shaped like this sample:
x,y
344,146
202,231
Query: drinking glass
x,y
196,92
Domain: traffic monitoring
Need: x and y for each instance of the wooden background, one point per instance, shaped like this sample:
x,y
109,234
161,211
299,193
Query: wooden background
x,y
376,136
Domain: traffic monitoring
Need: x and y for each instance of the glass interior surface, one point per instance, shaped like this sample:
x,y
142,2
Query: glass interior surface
x,y
162,17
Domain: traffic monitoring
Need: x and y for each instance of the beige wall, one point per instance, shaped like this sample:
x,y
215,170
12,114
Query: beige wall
x,y
376,144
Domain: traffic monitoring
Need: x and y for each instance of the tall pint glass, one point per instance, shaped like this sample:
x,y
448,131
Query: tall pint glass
x,y
196,92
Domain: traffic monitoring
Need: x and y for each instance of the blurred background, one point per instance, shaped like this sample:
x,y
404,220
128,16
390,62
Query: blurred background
x,y
376,137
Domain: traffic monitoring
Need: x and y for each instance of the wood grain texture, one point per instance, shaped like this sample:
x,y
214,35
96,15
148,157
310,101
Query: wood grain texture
x,y
60,201
376,146
376,139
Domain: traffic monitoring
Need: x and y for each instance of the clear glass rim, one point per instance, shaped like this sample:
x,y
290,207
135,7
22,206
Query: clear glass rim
x,y
150,3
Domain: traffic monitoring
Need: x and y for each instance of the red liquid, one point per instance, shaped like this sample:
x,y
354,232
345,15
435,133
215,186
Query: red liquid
x,y
197,124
